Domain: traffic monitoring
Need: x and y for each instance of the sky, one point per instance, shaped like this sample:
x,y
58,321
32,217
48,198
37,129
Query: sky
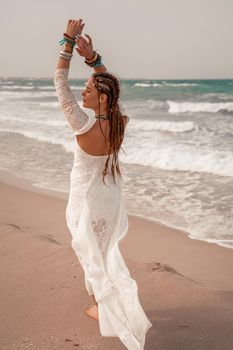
x,y
138,39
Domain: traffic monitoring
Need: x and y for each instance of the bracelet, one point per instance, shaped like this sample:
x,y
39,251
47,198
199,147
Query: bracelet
x,y
65,55
96,63
62,41
68,54
66,58
69,37
93,59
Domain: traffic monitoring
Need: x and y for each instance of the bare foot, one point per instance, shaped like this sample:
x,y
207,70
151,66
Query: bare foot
x,y
92,311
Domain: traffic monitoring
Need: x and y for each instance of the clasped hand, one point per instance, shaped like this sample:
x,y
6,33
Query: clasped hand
x,y
85,47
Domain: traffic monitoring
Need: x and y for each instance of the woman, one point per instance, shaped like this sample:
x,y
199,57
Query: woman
x,y
95,213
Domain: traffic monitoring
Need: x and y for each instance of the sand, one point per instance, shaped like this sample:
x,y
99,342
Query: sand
x,y
185,285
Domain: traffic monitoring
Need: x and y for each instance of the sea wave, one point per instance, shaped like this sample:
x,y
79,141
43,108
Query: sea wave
x,y
18,87
172,156
33,121
40,136
6,82
164,83
167,157
163,125
147,84
49,87
157,104
26,94
180,84
220,96
182,107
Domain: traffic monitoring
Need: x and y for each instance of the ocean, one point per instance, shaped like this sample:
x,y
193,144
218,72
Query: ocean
x,y
177,163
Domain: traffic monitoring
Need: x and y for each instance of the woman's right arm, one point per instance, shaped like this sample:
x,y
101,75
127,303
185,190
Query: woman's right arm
x,y
77,119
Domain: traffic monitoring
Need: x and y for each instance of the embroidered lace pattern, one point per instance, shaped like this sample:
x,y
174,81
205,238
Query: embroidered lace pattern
x,y
76,117
101,230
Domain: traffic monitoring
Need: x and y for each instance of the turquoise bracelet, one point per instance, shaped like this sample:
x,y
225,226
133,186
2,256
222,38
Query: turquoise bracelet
x,y
62,41
98,64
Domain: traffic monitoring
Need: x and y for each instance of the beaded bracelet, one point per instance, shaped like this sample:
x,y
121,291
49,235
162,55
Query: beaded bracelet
x,y
98,64
68,36
61,42
95,61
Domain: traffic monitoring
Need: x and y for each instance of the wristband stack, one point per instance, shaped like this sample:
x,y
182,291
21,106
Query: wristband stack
x,y
70,42
96,61
69,39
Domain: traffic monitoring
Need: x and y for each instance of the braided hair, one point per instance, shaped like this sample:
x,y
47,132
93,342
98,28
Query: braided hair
x,y
108,84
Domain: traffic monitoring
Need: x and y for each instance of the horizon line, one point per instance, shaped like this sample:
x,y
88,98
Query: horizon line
x,y
121,78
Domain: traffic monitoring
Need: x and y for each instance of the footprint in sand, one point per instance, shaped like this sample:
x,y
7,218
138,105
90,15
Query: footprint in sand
x,y
49,238
68,340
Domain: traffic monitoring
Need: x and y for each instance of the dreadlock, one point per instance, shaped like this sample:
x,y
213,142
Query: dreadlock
x,y
108,84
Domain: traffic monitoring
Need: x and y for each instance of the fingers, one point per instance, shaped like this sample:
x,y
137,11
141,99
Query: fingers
x,y
82,47
79,51
89,38
75,27
82,42
76,22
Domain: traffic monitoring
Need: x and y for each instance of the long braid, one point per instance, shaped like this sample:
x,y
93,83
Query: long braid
x,y
108,84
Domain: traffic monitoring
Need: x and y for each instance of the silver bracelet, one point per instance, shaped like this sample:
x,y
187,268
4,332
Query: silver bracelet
x,y
66,53
63,54
93,59
65,57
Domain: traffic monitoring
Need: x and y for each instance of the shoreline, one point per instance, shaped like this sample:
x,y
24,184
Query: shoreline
x,y
13,180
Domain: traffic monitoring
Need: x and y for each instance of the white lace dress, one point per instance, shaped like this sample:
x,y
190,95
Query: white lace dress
x,y
97,219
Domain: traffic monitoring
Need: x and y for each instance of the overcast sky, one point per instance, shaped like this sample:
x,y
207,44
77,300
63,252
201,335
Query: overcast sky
x,y
151,39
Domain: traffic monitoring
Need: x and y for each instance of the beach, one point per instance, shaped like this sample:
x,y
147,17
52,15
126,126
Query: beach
x,y
172,78
185,285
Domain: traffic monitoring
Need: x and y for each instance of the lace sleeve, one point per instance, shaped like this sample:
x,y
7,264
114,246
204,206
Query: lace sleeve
x,y
77,119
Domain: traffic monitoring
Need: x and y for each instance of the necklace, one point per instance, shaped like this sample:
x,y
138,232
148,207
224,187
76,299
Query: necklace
x,y
101,117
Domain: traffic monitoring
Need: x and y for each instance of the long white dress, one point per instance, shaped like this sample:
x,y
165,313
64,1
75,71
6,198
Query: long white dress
x,y
97,219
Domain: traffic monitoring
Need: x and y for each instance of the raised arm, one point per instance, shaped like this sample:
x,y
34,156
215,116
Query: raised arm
x,y
76,117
